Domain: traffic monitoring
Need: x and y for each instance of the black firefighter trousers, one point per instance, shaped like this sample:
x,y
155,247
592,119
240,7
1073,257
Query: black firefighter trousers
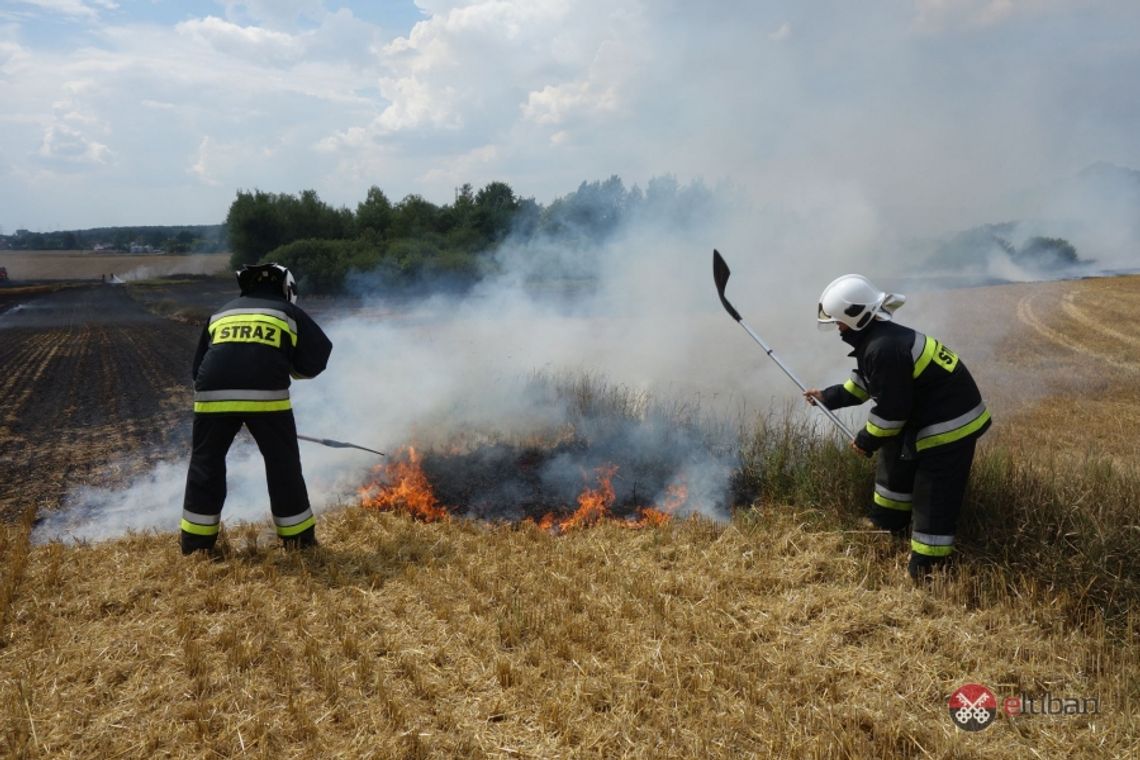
x,y
276,437
925,492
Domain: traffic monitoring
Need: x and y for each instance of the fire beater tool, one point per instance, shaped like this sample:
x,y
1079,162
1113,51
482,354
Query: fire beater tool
x,y
720,276
337,444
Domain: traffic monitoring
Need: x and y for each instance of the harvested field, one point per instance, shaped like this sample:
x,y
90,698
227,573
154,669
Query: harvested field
x,y
90,376
35,266
789,632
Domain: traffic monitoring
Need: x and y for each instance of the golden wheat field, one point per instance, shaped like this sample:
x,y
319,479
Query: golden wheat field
x,y
789,632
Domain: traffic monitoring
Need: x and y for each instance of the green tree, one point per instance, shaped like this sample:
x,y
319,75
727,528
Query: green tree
x,y
310,217
254,227
458,218
414,216
321,266
374,214
495,207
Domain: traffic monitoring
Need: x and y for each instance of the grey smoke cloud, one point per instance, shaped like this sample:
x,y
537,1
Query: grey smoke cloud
x,y
639,311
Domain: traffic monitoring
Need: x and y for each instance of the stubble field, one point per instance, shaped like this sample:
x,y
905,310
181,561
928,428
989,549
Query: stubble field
x,y
789,632
49,266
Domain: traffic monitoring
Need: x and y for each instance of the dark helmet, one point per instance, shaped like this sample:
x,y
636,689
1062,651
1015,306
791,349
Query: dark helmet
x,y
253,277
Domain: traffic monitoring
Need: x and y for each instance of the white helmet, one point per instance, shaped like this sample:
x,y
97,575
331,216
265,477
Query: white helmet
x,y
854,300
254,276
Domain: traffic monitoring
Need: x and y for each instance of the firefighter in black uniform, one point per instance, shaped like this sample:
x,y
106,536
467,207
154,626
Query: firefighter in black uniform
x,y
246,355
925,421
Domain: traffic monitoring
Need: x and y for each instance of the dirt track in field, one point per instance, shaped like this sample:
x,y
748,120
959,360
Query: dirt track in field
x,y
91,379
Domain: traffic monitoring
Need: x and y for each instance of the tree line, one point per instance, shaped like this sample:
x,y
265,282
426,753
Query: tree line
x,y
411,241
415,240
203,238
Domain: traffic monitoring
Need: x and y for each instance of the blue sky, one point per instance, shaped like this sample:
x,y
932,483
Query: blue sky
x,y
925,114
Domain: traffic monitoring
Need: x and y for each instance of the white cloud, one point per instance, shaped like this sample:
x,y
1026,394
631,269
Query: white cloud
x,y
555,103
417,103
201,166
71,8
548,93
66,145
13,56
465,168
249,42
508,72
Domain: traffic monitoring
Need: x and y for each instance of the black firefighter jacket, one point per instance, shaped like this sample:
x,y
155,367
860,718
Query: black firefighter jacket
x,y
249,351
921,390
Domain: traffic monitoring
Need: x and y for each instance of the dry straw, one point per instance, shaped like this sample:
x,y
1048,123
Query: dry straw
x,y
766,637
789,632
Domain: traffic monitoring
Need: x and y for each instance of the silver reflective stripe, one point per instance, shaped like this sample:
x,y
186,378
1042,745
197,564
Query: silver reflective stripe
x,y
945,427
197,519
858,380
932,540
275,313
892,495
918,347
285,522
242,394
879,422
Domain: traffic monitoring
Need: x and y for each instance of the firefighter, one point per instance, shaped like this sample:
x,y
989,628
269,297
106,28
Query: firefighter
x,y
926,417
246,355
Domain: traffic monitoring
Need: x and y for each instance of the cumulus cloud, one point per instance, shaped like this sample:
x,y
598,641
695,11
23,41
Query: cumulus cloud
x,y
241,41
933,110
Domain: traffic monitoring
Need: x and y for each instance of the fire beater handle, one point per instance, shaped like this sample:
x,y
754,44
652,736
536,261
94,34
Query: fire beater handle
x,y
337,444
720,276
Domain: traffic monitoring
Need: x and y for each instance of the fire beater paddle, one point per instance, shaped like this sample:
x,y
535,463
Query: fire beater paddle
x,y
337,444
720,276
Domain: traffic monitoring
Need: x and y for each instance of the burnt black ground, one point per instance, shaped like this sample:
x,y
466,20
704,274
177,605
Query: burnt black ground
x,y
91,379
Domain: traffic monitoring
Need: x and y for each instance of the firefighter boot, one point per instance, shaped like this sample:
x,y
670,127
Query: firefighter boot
x,y
306,539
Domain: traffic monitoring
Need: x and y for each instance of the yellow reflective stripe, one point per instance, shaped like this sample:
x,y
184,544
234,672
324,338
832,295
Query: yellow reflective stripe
x,y
879,432
280,324
927,354
242,406
199,530
930,551
850,386
883,501
292,530
954,435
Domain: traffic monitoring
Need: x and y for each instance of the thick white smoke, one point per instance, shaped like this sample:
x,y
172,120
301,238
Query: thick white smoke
x,y
645,318
639,311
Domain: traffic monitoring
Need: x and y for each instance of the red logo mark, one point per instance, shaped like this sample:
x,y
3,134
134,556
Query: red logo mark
x,y
973,707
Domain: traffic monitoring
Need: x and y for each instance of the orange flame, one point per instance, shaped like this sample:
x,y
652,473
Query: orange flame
x,y
401,485
594,506
675,497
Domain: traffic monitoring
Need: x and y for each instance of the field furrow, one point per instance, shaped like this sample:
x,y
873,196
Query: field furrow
x,y
91,386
